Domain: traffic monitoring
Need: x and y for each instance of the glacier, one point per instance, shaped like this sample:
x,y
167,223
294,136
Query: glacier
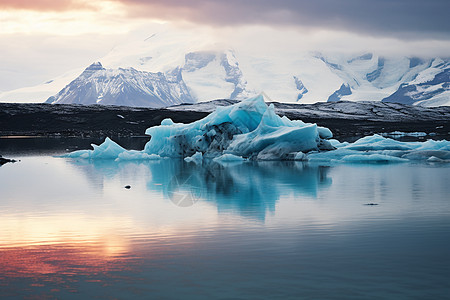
x,y
251,131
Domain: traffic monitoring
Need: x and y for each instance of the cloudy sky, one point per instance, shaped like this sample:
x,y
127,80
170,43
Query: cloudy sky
x,y
41,39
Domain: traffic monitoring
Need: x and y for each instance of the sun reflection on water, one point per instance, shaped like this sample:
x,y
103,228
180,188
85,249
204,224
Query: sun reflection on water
x,y
76,228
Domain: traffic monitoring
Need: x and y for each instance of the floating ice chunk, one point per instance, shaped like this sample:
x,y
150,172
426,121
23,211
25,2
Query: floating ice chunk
x,y
136,155
249,129
376,158
329,156
107,150
379,149
435,145
426,154
397,134
416,134
196,158
229,158
252,130
78,154
377,142
353,156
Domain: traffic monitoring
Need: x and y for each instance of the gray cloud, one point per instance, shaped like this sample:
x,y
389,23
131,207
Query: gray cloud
x,y
408,19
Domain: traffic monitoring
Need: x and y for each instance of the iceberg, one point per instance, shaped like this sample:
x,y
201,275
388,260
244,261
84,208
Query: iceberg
x,y
376,148
107,150
111,150
251,130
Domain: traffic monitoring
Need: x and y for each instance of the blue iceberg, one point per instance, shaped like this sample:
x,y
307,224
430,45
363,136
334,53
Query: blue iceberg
x,y
107,150
376,148
251,130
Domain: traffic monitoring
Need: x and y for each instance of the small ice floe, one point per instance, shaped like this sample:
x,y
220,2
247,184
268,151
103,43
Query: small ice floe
x,y
377,149
136,155
229,158
398,134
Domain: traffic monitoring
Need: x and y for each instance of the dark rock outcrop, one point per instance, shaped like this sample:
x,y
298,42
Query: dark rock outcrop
x,y
6,160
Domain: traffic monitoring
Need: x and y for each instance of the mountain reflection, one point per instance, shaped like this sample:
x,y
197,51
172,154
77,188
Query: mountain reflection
x,y
251,189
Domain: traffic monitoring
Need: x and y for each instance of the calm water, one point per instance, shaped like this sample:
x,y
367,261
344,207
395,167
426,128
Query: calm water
x,y
70,230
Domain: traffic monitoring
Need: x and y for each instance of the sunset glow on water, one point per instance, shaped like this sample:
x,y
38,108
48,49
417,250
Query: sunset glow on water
x,y
69,229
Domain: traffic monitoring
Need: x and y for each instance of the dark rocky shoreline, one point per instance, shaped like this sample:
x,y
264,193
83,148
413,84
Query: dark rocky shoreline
x,y
96,121
92,121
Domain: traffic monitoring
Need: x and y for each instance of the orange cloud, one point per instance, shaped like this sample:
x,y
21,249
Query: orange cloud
x,y
44,5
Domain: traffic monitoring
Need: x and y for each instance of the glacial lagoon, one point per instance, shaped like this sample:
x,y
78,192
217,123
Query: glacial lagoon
x,y
70,229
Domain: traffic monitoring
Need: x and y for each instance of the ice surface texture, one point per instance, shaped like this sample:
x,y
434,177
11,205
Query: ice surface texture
x,y
251,130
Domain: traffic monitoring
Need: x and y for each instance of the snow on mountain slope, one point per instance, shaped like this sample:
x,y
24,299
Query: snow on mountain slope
x,y
209,70
431,87
129,87
212,70
214,74
194,66
288,78
371,77
39,93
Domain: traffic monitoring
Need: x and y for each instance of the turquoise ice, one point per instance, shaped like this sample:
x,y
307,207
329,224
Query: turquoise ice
x,y
251,130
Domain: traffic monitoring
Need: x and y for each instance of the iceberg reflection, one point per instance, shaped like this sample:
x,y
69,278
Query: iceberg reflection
x,y
250,189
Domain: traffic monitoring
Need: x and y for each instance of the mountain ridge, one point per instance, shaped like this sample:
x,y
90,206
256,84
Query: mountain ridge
x,y
124,86
170,69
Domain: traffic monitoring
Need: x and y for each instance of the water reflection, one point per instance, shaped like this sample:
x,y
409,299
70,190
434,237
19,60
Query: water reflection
x,y
69,229
250,189
61,270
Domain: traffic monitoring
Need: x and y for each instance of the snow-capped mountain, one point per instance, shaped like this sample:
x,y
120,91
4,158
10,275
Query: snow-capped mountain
x,y
128,87
208,74
170,67
431,87
371,77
